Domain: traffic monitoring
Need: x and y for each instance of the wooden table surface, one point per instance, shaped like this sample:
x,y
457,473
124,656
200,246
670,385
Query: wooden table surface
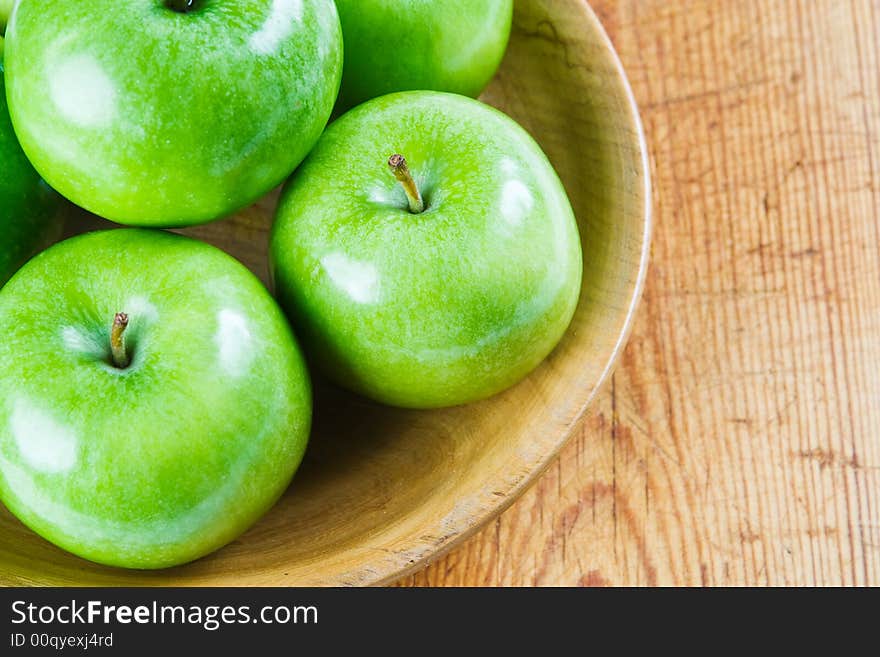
x,y
738,442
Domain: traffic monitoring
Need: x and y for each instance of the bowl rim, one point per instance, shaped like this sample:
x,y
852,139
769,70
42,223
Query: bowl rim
x,y
383,572
540,465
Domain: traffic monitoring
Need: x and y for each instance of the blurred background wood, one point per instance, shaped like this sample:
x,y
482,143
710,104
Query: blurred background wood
x,y
739,440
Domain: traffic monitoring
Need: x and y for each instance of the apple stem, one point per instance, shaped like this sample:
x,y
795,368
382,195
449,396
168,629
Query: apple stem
x,y
117,341
398,166
182,6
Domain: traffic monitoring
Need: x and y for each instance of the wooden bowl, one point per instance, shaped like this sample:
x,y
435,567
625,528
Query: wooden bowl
x,y
382,491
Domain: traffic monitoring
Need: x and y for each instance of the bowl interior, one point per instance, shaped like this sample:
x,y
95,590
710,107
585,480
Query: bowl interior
x,y
382,490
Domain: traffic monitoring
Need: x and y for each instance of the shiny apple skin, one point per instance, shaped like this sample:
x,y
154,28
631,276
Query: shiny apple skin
x,y
151,117
166,460
434,309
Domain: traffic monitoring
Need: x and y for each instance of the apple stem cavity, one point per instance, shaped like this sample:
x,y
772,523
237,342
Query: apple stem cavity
x,y
398,166
181,6
118,352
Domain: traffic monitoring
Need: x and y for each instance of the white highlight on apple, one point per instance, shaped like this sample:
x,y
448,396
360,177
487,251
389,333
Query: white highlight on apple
x,y
81,341
140,309
516,201
278,26
509,167
359,280
83,92
381,196
44,443
234,342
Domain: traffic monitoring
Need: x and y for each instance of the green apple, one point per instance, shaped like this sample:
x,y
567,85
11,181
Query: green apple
x,y
440,289
440,45
153,401
170,112
30,212
5,11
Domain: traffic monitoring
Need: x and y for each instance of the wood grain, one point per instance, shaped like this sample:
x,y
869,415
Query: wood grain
x,y
738,442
